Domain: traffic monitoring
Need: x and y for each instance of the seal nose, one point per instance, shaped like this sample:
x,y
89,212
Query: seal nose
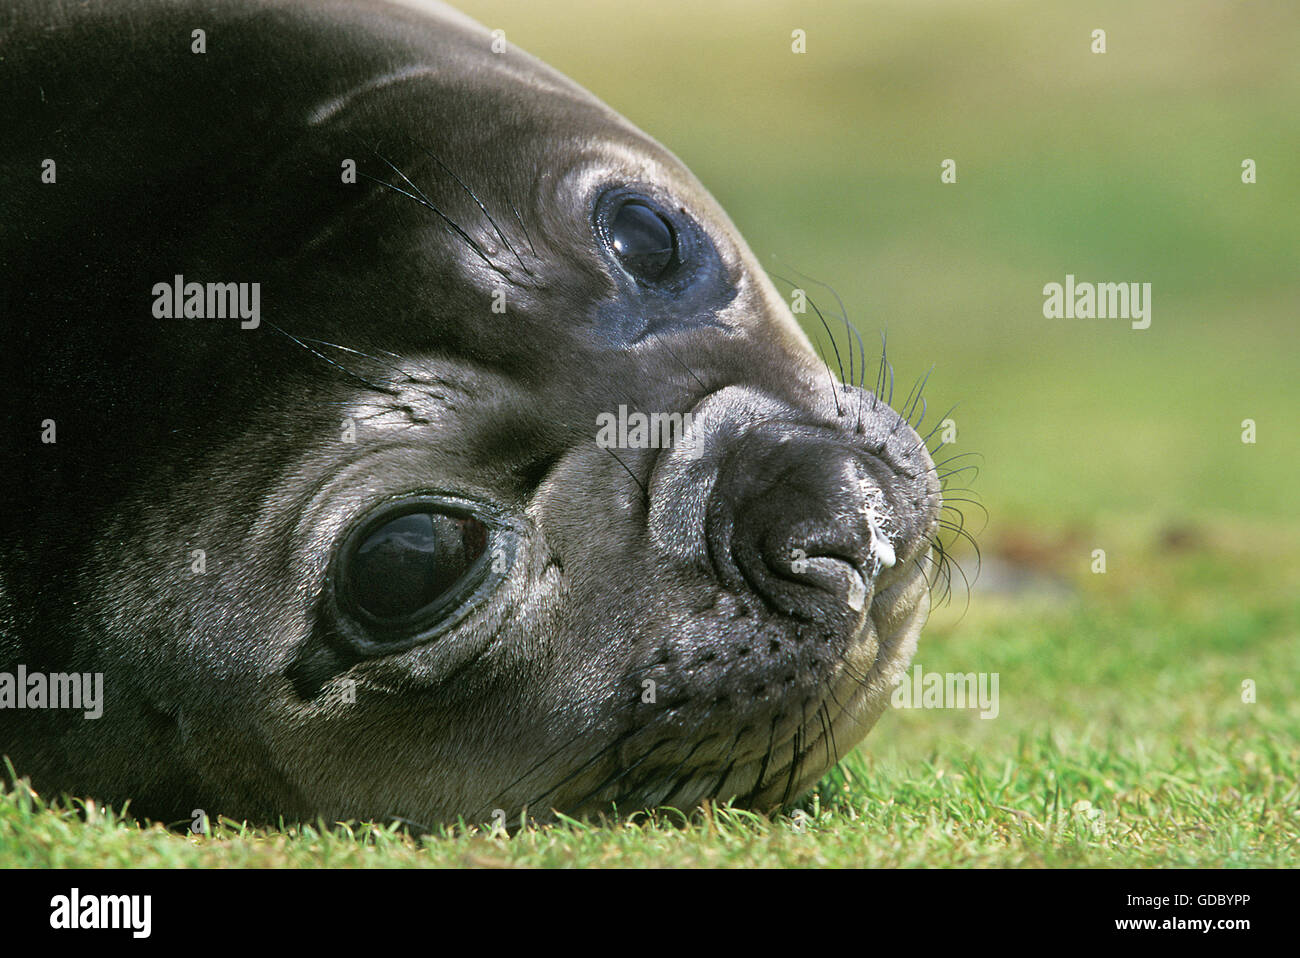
x,y
804,521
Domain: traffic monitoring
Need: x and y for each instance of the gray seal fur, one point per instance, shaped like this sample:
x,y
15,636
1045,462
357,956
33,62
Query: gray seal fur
x,y
646,625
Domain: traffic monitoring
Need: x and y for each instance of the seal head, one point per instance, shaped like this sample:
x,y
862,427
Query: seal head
x,y
495,475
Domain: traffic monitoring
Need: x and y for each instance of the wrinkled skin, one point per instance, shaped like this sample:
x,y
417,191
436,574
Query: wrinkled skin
x,y
646,634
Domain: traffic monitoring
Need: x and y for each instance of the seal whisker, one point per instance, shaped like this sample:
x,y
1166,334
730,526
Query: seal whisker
x,y
645,493
673,775
938,571
448,223
523,227
795,761
821,717
959,532
925,440
880,370
767,758
387,390
568,744
601,754
474,196
659,336
356,352
913,396
973,502
920,399
839,362
848,326
945,476
857,424
849,345
730,762
886,367
947,562
623,773
722,779
830,730
961,455
612,780
830,694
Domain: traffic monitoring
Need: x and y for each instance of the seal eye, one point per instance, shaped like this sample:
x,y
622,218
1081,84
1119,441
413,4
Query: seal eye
x,y
643,240
407,564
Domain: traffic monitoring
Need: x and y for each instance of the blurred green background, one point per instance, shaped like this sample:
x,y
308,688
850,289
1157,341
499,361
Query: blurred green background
x,y
1123,166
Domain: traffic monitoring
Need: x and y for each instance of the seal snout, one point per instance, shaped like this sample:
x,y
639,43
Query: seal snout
x,y
803,520
811,511
797,515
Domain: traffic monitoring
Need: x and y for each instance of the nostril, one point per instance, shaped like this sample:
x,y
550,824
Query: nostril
x,y
807,567
840,577
802,521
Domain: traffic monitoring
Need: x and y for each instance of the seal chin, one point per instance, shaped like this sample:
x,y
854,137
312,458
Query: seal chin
x,y
768,764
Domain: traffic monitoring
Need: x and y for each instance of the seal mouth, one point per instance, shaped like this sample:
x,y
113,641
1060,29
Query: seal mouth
x,y
766,765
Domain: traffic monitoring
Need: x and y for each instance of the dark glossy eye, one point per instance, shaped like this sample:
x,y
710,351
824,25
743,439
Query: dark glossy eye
x,y
406,565
643,240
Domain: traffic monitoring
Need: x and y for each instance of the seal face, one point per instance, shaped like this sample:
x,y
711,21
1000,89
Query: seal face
x,y
399,433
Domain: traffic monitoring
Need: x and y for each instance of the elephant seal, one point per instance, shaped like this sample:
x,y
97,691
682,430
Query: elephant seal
x,y
315,315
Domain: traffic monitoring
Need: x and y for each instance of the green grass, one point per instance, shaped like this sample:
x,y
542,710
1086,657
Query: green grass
x,y
1122,737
